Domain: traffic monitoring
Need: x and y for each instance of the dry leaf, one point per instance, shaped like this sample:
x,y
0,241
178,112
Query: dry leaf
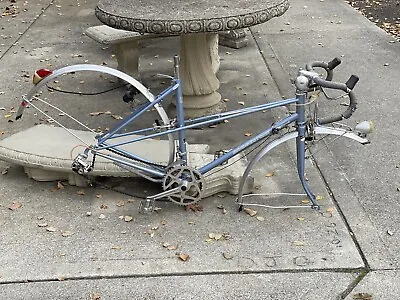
x,y
44,224
120,203
101,216
241,102
67,233
248,134
330,209
164,222
250,211
218,236
259,218
94,296
51,229
99,196
319,197
116,247
128,218
96,113
117,117
81,192
194,207
183,256
166,244
362,296
270,174
15,206
305,201
60,186
103,206
300,219
172,247
227,255
298,243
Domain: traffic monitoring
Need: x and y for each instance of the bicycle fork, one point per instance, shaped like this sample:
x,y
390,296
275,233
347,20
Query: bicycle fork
x,y
301,95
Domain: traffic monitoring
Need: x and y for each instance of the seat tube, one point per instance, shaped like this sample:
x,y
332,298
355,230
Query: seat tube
x,y
180,115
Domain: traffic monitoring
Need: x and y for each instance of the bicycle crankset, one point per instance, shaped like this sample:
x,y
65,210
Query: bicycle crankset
x,y
185,184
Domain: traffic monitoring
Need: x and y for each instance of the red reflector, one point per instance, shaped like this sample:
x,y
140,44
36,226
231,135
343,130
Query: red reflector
x,y
24,103
40,74
43,72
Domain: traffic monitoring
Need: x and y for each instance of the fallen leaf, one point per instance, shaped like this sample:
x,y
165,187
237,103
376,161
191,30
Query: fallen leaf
x,y
194,207
94,296
211,235
96,113
166,244
218,236
172,247
81,192
67,233
305,201
120,203
319,197
4,172
44,224
15,206
51,229
227,255
116,247
250,211
60,186
300,219
390,232
270,174
101,216
117,117
128,218
362,296
103,206
99,196
248,134
330,209
298,243
241,102
259,218
183,256
164,222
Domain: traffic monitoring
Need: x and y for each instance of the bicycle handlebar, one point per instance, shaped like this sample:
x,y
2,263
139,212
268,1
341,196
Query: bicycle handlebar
x,y
327,83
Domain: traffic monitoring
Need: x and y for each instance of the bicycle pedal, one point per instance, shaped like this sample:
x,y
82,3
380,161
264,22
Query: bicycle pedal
x,y
146,206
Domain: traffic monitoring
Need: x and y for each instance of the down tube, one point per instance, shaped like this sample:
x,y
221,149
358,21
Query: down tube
x,y
276,127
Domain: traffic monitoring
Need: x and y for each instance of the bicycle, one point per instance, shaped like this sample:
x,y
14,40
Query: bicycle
x,y
181,183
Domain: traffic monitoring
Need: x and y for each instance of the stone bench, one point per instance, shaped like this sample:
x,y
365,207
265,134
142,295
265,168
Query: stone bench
x,y
47,160
126,45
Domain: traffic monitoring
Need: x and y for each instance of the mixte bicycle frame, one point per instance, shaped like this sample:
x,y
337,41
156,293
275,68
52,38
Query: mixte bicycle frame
x,y
181,183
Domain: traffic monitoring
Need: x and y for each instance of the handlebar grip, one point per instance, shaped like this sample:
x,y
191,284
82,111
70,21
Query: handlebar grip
x,y
334,63
339,86
351,83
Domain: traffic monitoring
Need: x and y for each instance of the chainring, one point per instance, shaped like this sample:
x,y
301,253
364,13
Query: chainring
x,y
190,181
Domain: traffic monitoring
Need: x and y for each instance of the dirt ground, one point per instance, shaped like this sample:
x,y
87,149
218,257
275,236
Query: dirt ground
x,y
384,13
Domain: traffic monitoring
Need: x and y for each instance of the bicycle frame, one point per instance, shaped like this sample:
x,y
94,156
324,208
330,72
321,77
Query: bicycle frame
x,y
152,170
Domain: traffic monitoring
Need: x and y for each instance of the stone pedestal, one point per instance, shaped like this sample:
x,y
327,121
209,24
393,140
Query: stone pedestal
x,y
199,64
